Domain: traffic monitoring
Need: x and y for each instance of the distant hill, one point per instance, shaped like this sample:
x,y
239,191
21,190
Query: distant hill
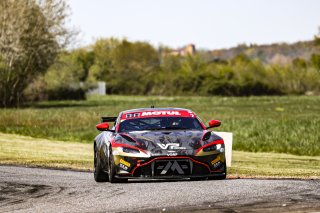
x,y
273,53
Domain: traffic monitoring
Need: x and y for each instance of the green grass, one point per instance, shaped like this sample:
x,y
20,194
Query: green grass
x,y
28,151
287,124
24,150
274,165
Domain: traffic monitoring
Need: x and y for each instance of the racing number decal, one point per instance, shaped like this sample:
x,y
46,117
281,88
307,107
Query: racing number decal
x,y
132,115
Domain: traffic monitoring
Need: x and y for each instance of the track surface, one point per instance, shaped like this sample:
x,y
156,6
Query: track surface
x,y
44,190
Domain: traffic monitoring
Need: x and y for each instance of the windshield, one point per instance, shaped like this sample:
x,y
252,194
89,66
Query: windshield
x,y
160,123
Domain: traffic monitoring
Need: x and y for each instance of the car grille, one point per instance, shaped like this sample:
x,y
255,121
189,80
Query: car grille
x,y
171,167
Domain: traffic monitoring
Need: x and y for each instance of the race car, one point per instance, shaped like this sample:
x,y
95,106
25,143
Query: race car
x,y
157,143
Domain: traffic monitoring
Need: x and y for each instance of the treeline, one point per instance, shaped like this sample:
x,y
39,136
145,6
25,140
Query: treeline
x,y
138,68
34,64
278,53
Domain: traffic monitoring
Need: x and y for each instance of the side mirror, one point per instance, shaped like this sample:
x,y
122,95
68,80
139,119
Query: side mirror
x,y
102,126
214,123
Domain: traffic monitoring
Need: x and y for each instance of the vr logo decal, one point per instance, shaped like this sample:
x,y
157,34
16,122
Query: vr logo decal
x,y
165,146
174,167
170,146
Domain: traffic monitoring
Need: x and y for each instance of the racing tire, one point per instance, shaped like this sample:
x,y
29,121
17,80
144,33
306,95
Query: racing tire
x,y
112,171
98,173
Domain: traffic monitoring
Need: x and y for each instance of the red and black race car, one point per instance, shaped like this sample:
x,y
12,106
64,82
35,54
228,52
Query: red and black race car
x,y
158,143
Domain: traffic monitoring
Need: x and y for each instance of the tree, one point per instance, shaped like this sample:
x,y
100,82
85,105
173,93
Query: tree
x,y
32,32
134,64
85,59
126,67
63,77
102,59
315,61
316,41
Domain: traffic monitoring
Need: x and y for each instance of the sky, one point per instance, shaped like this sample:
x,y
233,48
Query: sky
x,y
209,24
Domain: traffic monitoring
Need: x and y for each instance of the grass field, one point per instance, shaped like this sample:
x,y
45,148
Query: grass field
x,y
28,151
24,150
288,124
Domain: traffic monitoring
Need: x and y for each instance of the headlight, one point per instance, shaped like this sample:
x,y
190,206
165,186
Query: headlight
x,y
213,147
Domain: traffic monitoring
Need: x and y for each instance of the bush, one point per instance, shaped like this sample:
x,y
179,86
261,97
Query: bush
x,y
66,94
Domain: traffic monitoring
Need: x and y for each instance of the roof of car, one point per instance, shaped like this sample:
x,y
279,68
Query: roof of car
x,y
156,109
156,112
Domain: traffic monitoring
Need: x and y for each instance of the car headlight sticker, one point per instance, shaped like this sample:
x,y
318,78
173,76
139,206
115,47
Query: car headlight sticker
x,y
213,148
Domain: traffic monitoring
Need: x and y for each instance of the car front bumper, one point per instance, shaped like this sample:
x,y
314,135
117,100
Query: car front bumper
x,y
164,167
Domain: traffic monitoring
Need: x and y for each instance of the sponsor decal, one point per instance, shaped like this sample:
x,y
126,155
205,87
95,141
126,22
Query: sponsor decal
x,y
160,113
170,146
216,162
123,167
124,164
170,153
216,165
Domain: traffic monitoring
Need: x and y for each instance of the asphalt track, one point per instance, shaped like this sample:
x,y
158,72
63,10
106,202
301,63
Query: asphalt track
x,y
46,190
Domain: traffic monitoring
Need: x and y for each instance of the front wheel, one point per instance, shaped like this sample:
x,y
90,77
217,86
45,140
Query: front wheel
x,y
99,174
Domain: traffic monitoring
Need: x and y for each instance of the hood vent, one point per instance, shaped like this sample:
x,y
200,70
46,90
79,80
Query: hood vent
x,y
206,136
128,138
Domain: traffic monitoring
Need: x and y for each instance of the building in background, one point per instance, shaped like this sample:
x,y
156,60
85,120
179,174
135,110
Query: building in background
x,y
189,49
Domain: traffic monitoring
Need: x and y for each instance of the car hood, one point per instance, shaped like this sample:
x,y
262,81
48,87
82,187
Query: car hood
x,y
182,142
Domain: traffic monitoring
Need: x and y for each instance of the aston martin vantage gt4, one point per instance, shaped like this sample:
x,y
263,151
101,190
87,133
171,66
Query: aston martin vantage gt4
x,y
158,143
